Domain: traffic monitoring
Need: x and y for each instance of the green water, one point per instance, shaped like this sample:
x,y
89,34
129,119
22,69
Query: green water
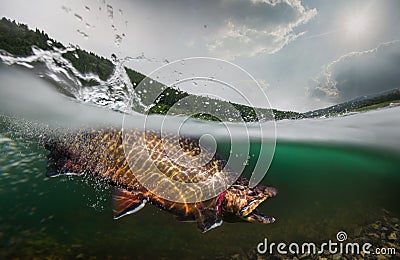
x,y
322,190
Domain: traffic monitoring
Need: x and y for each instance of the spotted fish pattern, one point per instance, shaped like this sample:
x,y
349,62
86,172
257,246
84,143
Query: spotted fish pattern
x,y
104,155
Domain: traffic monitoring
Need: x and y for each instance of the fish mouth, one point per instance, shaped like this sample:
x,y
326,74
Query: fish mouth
x,y
251,207
257,217
251,213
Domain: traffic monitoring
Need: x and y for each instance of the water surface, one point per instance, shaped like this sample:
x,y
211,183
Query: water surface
x,y
332,174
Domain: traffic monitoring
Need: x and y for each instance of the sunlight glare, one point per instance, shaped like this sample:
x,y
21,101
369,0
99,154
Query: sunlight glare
x,y
356,24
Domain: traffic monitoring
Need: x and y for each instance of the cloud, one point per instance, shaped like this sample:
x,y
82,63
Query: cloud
x,y
252,27
359,73
221,28
168,29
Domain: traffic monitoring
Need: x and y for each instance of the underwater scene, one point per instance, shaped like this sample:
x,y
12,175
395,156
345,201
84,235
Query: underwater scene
x,y
320,184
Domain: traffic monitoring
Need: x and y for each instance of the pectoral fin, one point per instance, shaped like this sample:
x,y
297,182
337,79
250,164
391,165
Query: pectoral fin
x,y
58,166
208,219
127,202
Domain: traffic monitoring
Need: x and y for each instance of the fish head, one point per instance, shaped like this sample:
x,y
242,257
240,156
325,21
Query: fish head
x,y
242,201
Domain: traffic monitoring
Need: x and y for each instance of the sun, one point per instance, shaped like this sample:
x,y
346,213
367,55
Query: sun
x,y
356,25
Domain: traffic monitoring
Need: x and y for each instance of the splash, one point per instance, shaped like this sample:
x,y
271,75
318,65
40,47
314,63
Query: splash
x,y
85,35
110,12
114,93
79,17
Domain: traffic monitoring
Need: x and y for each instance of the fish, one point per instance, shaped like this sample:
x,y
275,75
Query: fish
x,y
101,153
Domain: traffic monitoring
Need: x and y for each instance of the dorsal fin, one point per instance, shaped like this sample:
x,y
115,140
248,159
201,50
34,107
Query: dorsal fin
x,y
127,202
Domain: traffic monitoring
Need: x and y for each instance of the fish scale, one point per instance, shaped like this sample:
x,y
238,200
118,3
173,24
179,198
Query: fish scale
x,y
111,155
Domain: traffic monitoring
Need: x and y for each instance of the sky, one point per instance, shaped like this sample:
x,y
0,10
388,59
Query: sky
x,y
304,54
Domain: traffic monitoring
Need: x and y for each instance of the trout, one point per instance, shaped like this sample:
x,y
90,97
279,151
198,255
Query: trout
x,y
101,154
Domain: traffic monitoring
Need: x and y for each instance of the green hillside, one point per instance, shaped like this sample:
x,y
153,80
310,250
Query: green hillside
x,y
18,39
360,104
